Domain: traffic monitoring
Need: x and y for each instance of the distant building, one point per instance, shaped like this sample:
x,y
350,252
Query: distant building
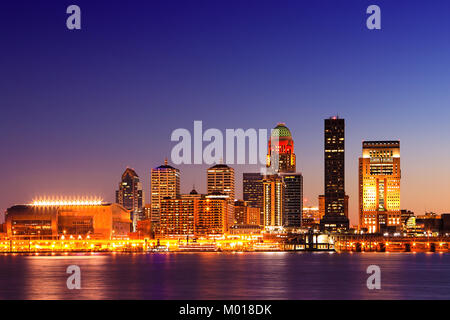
x,y
165,183
220,182
131,196
293,200
177,217
310,216
212,216
244,214
379,186
52,221
253,191
334,156
273,201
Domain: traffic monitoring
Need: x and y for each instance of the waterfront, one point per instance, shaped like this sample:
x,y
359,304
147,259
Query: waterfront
x,y
277,275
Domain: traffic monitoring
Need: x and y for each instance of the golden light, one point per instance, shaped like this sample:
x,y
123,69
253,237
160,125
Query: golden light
x,y
66,202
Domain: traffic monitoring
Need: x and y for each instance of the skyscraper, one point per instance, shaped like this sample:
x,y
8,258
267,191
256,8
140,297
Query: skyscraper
x,y
273,201
293,200
165,183
281,145
220,179
379,186
283,187
221,184
334,147
130,195
253,192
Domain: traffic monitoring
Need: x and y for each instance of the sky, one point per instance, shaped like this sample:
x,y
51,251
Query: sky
x,y
79,106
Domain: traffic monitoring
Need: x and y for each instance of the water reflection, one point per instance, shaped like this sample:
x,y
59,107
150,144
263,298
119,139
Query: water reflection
x,y
226,276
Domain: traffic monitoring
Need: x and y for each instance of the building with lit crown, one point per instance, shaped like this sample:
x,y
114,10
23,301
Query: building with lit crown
x,y
282,186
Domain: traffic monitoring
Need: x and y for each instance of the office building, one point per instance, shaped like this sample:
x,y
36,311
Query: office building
x,y
253,192
130,195
165,183
334,182
379,186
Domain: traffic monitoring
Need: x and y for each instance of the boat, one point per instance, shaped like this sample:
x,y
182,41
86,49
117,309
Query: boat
x,y
197,247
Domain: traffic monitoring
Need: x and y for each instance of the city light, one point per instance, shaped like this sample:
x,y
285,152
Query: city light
x,y
78,202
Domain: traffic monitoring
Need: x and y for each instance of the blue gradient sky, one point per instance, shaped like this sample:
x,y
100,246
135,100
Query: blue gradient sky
x,y
77,107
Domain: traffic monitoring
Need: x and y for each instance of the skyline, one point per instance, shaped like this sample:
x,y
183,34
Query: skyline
x,y
78,108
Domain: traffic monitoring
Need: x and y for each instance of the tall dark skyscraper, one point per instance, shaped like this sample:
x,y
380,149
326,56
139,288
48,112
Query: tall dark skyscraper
x,y
130,195
293,200
253,191
334,218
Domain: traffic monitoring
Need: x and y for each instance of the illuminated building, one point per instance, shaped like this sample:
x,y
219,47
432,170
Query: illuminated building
x,y
212,216
321,206
220,182
379,186
252,184
283,187
130,195
311,216
177,217
244,214
220,179
52,220
281,145
273,187
165,183
334,157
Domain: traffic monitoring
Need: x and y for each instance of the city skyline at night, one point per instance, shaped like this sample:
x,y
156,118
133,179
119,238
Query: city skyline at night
x,y
127,86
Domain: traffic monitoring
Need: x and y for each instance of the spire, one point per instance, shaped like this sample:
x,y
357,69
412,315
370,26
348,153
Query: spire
x,y
165,162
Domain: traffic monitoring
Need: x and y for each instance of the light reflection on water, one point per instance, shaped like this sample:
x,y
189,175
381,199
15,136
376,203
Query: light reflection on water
x,y
278,275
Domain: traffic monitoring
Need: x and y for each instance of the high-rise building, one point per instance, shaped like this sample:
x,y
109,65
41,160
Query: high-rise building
x,y
379,186
130,195
220,179
281,155
221,183
253,192
334,147
273,187
165,183
283,187
293,200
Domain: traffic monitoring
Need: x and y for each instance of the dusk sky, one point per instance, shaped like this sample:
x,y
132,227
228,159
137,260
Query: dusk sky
x,y
79,106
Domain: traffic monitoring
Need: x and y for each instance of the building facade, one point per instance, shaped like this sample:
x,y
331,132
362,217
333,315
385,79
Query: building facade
x,y
252,185
273,187
55,220
282,186
334,176
130,195
293,200
379,186
244,214
165,183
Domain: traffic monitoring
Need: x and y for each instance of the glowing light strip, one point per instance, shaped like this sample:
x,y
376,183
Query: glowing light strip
x,y
47,203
